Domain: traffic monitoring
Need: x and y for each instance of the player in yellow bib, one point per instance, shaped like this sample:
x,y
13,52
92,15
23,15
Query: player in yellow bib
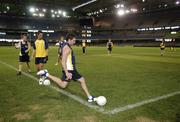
x,y
40,51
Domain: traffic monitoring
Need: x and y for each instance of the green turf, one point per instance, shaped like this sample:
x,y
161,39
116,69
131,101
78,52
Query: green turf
x,y
127,76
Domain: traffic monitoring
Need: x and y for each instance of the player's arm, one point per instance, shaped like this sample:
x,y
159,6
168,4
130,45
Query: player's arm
x,y
34,51
66,52
17,45
29,47
112,44
107,45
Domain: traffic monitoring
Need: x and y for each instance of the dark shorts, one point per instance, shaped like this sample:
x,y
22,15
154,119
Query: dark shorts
x,y
40,60
24,58
162,48
110,49
75,75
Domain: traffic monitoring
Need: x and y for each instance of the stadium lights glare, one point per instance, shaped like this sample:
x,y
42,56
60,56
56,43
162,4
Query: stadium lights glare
x,y
8,8
2,33
52,11
32,9
34,14
53,15
127,11
41,15
173,32
59,11
84,4
117,6
64,13
44,10
121,12
122,5
143,0
177,2
133,10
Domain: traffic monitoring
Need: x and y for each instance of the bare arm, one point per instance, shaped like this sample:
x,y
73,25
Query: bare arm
x,y
29,47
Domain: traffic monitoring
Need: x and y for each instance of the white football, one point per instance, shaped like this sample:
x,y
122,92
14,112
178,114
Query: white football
x,y
101,101
46,82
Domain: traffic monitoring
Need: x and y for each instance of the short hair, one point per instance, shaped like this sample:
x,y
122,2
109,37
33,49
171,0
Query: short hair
x,y
39,32
23,35
70,36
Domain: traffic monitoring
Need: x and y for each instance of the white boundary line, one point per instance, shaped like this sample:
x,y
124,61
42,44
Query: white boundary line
x,y
76,98
138,104
97,108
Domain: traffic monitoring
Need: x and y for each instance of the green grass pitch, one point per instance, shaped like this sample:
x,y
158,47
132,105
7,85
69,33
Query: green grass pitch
x,y
129,75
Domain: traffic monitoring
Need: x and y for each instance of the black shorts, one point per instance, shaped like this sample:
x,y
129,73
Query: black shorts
x,y
24,58
75,75
110,49
162,48
42,60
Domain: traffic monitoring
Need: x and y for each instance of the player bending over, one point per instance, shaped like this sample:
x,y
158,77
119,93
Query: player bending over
x,y
69,71
25,47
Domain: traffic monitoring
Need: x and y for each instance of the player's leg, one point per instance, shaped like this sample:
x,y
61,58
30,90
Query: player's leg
x,y
27,63
85,89
39,66
40,63
29,68
84,86
20,68
84,50
59,82
110,50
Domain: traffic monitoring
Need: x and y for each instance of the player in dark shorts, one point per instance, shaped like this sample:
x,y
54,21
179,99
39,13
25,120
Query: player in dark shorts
x,y
109,46
69,71
24,47
162,47
84,47
40,51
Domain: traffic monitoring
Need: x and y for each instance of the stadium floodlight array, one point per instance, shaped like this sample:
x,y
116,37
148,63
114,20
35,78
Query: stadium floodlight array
x,y
158,28
41,12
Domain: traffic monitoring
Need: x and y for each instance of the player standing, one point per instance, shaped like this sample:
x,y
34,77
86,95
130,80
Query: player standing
x,y
69,71
84,47
162,46
109,46
25,47
40,51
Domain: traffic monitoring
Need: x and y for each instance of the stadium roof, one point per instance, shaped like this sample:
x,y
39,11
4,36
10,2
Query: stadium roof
x,y
51,8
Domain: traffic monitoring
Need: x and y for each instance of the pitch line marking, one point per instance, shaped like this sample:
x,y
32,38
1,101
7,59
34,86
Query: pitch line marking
x,y
74,97
97,108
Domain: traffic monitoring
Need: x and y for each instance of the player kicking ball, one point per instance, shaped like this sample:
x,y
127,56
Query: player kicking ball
x,y
69,71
